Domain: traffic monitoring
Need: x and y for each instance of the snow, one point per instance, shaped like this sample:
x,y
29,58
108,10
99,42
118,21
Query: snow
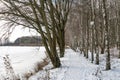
x,y
92,22
114,73
79,68
76,67
23,59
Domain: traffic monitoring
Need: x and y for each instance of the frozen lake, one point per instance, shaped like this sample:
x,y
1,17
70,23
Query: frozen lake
x,y
22,58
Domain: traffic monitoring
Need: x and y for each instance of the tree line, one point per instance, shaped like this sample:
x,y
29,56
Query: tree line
x,y
24,41
96,28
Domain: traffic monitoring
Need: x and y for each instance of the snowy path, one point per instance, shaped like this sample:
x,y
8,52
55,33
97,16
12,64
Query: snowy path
x,y
76,67
79,68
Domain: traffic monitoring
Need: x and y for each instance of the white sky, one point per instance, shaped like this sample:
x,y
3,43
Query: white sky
x,y
19,32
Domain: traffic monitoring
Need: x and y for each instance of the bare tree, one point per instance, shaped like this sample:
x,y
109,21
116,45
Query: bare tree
x,y
43,16
108,65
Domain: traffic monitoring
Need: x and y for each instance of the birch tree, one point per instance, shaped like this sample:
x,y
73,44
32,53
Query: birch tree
x,y
108,65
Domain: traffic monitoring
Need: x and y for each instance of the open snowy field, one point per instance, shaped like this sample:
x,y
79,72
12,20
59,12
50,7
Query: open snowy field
x,y
23,59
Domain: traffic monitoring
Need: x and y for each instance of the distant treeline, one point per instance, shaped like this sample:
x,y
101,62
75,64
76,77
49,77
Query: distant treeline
x,y
25,41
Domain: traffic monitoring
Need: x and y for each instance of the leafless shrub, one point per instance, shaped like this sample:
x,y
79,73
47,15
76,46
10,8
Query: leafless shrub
x,y
10,74
38,67
27,75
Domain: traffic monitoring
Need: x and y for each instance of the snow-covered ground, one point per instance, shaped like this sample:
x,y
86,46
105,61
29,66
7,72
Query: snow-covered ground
x,y
23,59
76,67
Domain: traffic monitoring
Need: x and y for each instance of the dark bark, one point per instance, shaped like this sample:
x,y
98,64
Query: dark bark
x,y
108,64
37,21
62,44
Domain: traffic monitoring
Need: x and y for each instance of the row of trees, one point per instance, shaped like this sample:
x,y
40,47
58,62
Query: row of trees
x,y
96,27
47,17
92,24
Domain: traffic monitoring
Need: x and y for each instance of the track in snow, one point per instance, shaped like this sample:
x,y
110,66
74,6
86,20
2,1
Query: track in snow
x,y
79,68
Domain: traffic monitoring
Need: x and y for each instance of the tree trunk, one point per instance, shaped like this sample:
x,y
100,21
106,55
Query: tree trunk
x,y
56,60
62,44
102,50
92,52
97,57
108,65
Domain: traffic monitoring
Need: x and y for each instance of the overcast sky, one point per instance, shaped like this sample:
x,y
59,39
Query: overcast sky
x,y
19,32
